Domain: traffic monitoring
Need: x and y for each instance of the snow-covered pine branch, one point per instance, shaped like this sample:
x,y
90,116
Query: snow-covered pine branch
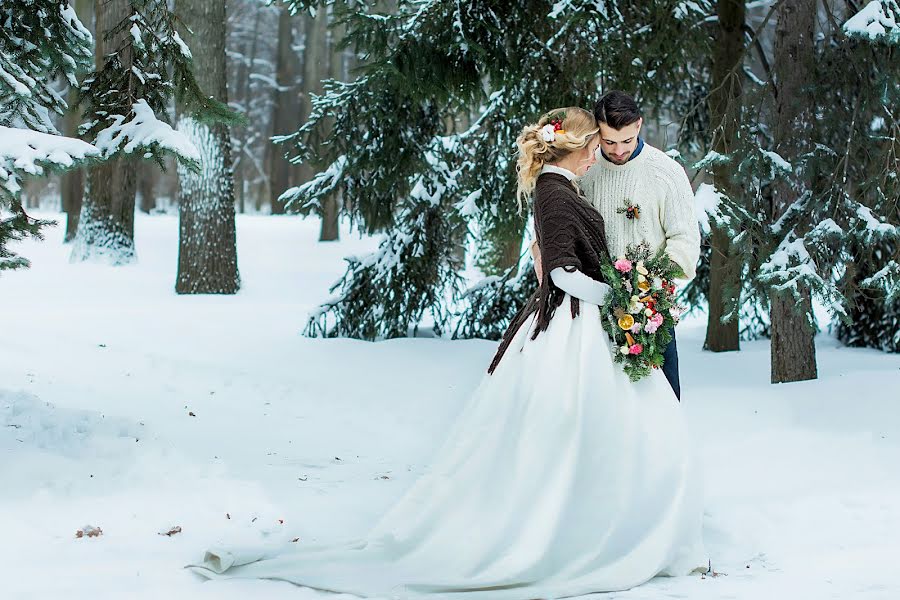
x,y
140,131
791,270
308,197
888,279
24,152
40,40
387,293
42,43
877,21
490,304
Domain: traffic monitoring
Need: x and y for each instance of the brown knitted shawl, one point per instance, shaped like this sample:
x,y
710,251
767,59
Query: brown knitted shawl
x,y
570,234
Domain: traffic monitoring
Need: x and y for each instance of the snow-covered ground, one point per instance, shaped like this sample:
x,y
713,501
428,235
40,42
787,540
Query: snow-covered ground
x,y
126,407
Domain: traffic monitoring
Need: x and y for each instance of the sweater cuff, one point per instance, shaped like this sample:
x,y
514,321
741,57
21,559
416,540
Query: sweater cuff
x,y
683,260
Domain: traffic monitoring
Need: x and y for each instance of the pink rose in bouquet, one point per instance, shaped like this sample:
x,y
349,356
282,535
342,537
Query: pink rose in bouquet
x,y
654,323
623,265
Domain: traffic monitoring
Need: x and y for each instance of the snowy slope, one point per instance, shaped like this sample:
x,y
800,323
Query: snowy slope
x,y
101,368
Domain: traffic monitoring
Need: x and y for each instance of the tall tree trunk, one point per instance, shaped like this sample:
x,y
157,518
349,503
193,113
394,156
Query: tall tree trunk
x,y
246,69
106,221
793,344
207,252
72,183
148,175
724,269
286,109
331,211
315,65
511,252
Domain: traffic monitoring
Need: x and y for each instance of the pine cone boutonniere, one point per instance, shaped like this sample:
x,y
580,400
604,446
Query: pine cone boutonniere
x,y
631,211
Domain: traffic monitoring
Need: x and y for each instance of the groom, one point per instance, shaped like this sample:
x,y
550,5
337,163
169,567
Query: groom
x,y
631,171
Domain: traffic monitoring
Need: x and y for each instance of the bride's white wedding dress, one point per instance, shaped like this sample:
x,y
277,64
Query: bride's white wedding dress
x,y
561,477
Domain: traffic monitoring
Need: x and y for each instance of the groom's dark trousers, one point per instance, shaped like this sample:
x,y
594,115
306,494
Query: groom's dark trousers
x,y
670,366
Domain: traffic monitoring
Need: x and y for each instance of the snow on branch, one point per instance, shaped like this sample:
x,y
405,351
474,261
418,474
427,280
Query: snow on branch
x,y
564,7
887,279
490,304
873,230
141,132
712,158
791,269
779,164
706,205
879,20
26,152
307,196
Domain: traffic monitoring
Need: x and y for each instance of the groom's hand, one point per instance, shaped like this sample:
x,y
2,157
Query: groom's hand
x,y
536,257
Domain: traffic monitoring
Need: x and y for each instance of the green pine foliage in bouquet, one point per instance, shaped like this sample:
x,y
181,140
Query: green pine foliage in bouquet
x,y
641,310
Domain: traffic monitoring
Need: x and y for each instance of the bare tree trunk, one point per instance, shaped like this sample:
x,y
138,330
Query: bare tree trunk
x,y
243,84
331,211
286,109
72,181
106,221
148,175
724,271
314,69
511,253
207,252
793,345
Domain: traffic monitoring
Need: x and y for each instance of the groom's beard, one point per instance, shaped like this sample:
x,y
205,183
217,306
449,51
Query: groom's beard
x,y
620,160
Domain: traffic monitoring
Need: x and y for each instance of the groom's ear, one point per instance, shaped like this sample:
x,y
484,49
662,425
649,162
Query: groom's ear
x,y
640,122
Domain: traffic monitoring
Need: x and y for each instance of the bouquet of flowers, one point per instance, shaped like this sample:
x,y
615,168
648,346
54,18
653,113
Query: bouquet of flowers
x,y
641,309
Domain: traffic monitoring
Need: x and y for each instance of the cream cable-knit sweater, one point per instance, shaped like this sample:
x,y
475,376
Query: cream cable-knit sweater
x,y
660,187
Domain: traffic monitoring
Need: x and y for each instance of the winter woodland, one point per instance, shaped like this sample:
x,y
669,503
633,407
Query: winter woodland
x,y
194,193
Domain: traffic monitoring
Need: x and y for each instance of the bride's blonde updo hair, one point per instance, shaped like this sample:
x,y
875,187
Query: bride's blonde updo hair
x,y
578,128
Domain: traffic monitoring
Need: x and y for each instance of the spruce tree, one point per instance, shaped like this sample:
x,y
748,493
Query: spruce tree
x,y
421,143
41,42
836,240
868,189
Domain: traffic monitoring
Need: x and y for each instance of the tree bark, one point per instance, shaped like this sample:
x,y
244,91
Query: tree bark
x,y
148,175
243,84
207,252
511,252
72,182
286,109
793,355
332,210
724,276
315,68
106,221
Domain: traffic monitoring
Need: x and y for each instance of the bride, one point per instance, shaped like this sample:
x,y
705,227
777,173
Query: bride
x,y
560,477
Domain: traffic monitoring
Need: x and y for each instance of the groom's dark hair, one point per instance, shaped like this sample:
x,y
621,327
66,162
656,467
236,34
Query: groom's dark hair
x,y
616,109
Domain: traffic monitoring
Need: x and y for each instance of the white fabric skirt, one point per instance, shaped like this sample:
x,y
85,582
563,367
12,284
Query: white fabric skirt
x,y
560,477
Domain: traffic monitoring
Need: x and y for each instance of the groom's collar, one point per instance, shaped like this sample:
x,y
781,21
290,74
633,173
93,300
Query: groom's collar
x,y
634,154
